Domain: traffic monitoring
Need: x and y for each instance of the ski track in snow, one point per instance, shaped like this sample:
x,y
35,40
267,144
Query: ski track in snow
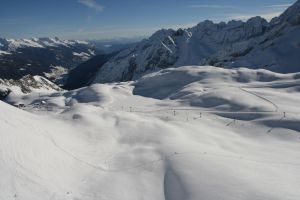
x,y
263,98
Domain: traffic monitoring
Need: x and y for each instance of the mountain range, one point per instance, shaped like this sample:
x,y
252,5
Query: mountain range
x,y
48,57
254,44
153,120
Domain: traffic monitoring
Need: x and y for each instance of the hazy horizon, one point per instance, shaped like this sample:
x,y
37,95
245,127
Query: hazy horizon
x,y
109,20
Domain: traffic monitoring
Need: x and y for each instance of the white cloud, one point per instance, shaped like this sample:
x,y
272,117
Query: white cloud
x,y
210,6
279,6
92,4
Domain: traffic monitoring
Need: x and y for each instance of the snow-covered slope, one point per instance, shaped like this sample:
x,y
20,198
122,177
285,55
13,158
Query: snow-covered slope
x,y
253,44
4,52
277,50
182,133
177,48
29,84
15,44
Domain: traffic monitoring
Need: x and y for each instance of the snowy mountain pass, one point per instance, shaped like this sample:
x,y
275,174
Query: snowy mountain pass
x,y
180,133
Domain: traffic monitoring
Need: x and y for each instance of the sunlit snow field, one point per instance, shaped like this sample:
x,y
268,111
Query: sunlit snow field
x,y
188,133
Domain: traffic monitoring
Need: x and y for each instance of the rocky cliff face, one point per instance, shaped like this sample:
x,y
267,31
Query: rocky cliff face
x,y
4,92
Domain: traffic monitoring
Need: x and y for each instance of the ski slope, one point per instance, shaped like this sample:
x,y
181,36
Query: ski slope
x,y
184,133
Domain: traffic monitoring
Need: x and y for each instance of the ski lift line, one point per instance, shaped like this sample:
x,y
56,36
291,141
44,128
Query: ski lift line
x,y
232,122
219,112
271,129
203,111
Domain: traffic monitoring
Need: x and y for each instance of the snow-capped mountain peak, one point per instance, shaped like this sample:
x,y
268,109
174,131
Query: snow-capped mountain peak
x,y
253,44
48,57
292,14
44,42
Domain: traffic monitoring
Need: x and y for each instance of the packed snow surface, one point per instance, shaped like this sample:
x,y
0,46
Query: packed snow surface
x,y
188,133
4,52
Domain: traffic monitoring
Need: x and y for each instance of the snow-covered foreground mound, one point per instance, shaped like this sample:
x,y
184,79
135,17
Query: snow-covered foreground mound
x,y
186,133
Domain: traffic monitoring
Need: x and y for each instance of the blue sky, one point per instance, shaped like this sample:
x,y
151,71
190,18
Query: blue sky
x,y
105,19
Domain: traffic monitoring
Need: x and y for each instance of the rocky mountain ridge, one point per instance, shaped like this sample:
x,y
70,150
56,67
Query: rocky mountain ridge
x,y
255,43
51,58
